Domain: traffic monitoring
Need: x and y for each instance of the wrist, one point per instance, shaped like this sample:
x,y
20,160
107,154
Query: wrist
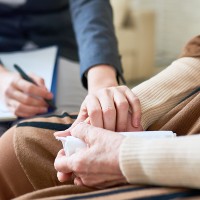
x,y
101,76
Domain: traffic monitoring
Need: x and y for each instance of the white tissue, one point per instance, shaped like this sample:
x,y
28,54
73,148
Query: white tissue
x,y
72,144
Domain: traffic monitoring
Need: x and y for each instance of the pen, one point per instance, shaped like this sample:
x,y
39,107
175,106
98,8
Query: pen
x,y
1,63
29,79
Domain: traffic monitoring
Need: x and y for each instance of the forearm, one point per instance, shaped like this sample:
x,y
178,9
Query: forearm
x,y
162,92
169,162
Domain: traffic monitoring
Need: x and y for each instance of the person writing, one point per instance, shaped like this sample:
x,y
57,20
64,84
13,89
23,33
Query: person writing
x,y
83,33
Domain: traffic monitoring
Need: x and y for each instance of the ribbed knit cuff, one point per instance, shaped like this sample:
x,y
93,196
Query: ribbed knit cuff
x,y
165,90
129,160
168,161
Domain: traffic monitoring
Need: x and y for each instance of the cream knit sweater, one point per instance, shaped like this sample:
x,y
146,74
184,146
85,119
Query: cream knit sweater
x,y
170,162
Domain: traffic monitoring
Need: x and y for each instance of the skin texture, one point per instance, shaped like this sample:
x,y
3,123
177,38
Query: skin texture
x,y
97,165
108,105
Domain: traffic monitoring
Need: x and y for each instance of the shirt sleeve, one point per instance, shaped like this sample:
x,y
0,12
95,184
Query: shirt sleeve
x,y
166,161
94,30
163,91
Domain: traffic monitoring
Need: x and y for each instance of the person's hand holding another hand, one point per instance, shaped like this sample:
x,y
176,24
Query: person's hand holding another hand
x,y
108,105
95,166
25,99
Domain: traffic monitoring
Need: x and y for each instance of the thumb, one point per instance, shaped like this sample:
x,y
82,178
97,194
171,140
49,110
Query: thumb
x,y
82,116
62,133
85,132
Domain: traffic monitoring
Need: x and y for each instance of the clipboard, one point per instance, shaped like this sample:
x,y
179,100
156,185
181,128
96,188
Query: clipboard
x,y
42,62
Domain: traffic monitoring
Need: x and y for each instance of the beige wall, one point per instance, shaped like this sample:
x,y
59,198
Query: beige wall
x,y
176,22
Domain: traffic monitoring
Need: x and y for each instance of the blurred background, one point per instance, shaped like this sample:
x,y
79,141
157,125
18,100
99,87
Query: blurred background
x,y
152,33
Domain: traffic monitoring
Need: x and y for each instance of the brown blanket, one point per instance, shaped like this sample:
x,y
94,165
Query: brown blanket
x,y
36,148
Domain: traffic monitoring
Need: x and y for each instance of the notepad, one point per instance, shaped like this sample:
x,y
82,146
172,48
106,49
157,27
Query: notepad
x,y
41,62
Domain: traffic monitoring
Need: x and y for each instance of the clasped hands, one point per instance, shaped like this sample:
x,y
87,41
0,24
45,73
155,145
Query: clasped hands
x,y
110,110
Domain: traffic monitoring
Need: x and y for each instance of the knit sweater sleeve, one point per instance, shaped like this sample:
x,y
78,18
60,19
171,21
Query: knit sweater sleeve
x,y
163,161
167,161
163,91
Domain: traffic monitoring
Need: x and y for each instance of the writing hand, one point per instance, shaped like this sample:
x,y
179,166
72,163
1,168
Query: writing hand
x,y
22,97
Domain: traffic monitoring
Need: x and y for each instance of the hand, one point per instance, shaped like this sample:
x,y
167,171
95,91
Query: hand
x,y
115,108
108,105
23,98
95,166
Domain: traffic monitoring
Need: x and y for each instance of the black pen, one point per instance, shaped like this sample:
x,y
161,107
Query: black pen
x,y
1,63
29,79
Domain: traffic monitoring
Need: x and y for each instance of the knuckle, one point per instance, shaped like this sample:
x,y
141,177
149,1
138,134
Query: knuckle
x,y
123,105
109,111
78,166
28,88
26,100
103,91
94,112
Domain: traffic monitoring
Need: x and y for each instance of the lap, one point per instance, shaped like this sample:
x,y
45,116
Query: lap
x,y
36,148
139,192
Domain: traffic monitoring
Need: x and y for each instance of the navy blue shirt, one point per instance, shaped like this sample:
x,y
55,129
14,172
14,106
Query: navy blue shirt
x,y
83,29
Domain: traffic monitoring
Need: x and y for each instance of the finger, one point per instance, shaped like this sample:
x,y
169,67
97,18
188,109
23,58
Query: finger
x,y
62,177
78,182
62,133
122,107
135,108
82,116
25,98
108,184
108,109
38,80
63,163
94,111
32,89
86,132
96,180
24,110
